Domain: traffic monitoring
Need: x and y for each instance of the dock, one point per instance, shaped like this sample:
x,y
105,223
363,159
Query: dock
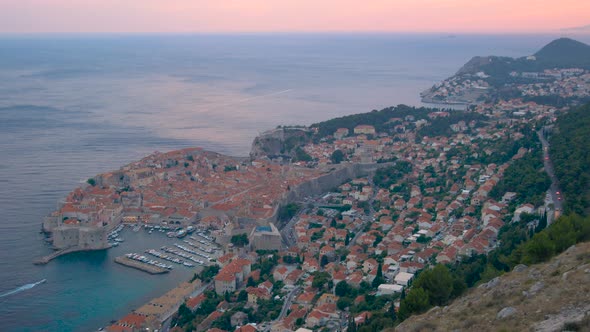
x,y
151,269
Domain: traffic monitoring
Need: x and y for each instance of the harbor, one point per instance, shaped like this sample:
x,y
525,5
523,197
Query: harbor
x,y
197,252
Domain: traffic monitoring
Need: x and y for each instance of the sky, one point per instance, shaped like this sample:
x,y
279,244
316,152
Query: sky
x,y
246,16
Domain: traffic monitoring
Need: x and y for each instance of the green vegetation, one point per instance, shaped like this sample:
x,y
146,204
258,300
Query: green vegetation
x,y
441,284
185,317
322,281
378,119
288,211
387,176
301,155
571,159
526,177
337,157
564,53
91,182
240,240
207,274
266,263
229,168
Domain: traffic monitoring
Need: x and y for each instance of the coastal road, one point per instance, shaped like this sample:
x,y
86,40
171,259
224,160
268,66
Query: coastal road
x,y
554,190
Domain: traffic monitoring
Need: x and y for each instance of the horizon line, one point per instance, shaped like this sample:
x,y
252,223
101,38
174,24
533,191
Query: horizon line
x,y
246,33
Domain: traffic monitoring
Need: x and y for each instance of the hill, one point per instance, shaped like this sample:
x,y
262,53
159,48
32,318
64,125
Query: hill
x,y
560,53
545,297
564,52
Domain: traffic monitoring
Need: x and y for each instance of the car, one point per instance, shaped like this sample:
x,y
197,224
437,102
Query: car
x,y
557,192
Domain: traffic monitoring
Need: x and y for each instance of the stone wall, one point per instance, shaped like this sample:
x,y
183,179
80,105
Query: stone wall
x,y
66,236
328,182
90,238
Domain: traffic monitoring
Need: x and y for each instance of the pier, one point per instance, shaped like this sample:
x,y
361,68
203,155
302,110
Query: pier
x,y
151,269
46,259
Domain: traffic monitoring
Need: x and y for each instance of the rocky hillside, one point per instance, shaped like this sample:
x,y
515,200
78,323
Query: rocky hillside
x,y
282,141
554,296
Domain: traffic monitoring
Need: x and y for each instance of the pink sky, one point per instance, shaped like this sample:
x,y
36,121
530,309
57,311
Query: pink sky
x,y
209,16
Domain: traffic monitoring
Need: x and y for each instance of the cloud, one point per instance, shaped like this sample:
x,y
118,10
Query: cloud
x,y
585,28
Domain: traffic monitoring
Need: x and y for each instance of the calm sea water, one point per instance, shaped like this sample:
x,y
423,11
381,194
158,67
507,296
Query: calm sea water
x,y
72,106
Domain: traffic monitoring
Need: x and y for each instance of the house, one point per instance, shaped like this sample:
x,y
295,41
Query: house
x,y
369,265
305,298
255,293
403,278
327,298
246,328
238,318
280,272
193,303
447,255
340,133
316,318
388,289
232,276
292,277
364,129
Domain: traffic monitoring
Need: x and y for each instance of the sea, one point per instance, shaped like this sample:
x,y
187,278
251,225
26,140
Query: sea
x,y
72,106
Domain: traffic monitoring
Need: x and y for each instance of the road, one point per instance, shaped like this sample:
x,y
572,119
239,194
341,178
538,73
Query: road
x,y
288,230
287,303
554,190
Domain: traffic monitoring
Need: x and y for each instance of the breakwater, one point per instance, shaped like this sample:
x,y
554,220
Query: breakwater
x,y
140,266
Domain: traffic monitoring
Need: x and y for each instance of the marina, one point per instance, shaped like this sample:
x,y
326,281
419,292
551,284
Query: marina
x,y
146,260
198,251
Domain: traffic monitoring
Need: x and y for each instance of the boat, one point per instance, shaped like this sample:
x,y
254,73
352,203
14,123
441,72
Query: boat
x,y
190,229
119,239
181,233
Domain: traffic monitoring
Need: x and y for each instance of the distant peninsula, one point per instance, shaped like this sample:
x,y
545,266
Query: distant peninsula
x,y
491,78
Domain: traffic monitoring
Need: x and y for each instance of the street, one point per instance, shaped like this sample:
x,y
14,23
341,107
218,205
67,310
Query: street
x,y
554,190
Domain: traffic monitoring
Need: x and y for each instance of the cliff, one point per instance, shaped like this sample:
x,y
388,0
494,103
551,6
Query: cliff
x,y
553,296
279,142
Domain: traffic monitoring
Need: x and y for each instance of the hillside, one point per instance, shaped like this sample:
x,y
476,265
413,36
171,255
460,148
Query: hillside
x,y
555,75
564,52
569,152
543,297
560,53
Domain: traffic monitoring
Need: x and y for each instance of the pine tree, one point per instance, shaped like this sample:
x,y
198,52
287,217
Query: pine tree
x,y
378,277
351,324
